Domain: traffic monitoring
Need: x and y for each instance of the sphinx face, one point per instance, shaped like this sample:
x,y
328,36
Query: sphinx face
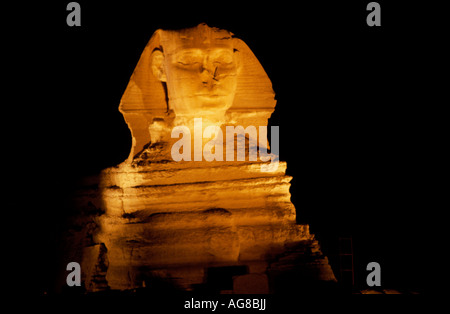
x,y
199,72
201,77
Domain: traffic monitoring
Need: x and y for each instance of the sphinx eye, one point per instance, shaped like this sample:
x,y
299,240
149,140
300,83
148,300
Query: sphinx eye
x,y
188,59
224,59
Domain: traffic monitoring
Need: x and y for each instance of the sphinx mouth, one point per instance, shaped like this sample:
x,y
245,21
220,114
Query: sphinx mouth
x,y
210,95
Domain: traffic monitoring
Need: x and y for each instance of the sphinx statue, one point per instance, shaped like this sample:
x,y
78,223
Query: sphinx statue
x,y
154,219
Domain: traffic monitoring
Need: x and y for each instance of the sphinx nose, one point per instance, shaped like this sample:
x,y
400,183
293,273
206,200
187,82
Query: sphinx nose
x,y
208,77
208,71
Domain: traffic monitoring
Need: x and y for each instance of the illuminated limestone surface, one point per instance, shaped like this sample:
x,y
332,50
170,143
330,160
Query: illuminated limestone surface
x,y
152,219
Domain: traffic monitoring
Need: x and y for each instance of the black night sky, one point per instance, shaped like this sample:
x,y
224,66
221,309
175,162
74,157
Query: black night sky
x,y
348,108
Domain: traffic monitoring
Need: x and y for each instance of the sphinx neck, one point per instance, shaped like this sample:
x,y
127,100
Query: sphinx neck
x,y
192,121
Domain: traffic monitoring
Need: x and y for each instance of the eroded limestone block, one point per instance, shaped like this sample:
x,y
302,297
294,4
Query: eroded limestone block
x,y
95,265
251,284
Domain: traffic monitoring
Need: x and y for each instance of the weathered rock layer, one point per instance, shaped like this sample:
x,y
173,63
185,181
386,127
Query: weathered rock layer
x,y
191,224
174,222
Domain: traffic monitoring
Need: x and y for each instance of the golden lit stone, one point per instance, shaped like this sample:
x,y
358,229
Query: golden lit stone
x,y
159,219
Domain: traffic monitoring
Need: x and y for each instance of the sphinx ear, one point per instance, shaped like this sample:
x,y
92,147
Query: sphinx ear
x,y
157,64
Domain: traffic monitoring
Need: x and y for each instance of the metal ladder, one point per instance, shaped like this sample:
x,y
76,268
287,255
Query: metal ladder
x,y
345,253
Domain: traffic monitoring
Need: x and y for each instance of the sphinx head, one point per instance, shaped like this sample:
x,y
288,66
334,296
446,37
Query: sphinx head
x,y
199,72
199,67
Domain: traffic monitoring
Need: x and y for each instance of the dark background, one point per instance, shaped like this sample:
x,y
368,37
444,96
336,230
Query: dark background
x,y
349,107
